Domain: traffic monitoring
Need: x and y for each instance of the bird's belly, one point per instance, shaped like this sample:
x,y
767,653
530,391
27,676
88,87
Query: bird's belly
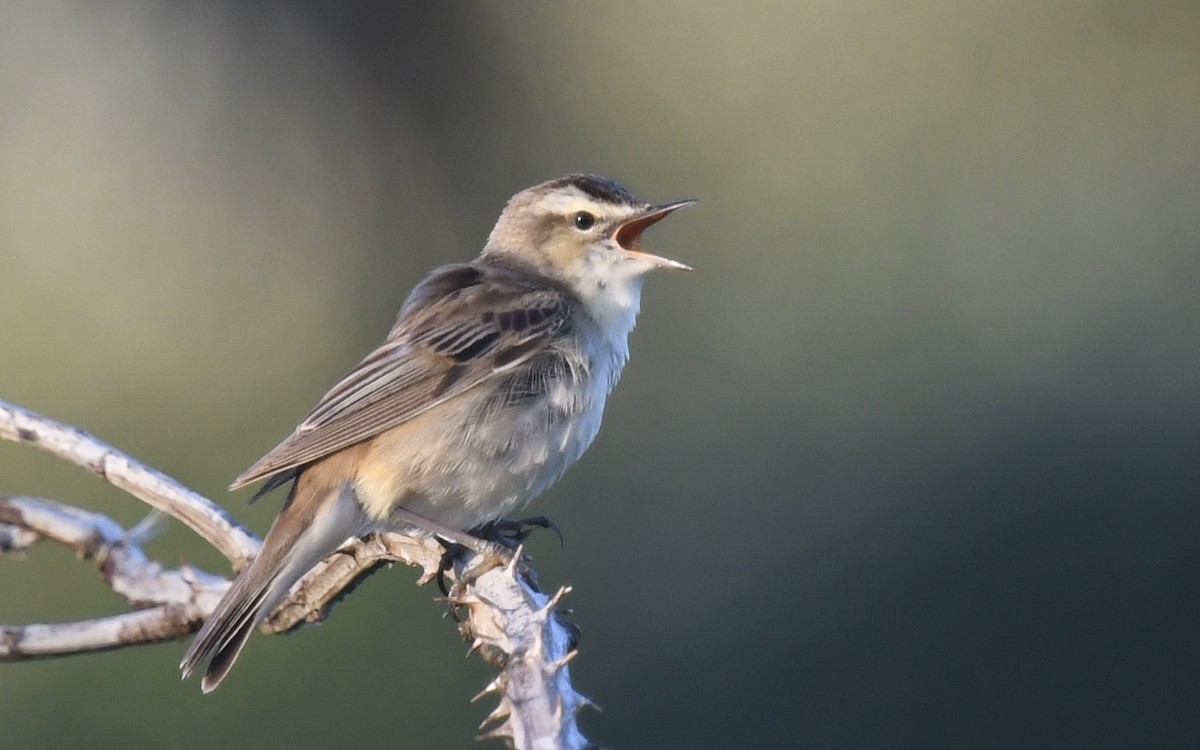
x,y
457,468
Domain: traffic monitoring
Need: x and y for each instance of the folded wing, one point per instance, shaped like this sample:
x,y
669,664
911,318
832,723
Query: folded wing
x,y
462,326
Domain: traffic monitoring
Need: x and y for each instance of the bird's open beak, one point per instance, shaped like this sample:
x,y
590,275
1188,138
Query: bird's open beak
x,y
629,234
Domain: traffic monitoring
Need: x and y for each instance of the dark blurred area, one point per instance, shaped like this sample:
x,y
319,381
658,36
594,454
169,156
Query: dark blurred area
x,y
909,461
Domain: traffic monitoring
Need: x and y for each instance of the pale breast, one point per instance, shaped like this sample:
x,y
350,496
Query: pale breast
x,y
491,450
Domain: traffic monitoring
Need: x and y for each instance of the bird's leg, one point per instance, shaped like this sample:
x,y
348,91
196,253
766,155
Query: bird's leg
x,y
454,541
457,536
507,533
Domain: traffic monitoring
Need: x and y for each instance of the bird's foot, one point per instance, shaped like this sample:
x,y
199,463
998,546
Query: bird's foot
x,y
512,532
508,533
451,551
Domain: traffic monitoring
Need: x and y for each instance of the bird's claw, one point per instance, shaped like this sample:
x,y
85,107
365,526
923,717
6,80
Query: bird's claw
x,y
512,532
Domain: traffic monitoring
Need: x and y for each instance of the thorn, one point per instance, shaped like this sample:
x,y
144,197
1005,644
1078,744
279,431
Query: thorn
x,y
502,711
538,649
491,687
511,568
544,613
582,701
558,664
503,731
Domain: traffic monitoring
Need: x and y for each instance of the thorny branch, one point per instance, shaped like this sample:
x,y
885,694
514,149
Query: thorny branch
x,y
505,617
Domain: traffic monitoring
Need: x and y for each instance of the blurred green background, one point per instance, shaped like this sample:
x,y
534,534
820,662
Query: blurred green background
x,y
909,461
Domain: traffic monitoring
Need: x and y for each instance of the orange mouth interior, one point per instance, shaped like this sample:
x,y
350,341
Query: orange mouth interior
x,y
629,234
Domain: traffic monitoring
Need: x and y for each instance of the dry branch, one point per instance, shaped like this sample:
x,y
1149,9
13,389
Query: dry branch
x,y
506,618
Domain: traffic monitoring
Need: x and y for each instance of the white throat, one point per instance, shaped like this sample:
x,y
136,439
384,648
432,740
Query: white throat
x,y
612,293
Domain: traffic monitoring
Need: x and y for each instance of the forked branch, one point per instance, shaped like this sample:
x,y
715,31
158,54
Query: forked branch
x,y
505,617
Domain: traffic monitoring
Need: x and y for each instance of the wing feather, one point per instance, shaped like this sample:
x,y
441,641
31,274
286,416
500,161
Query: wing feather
x,y
460,327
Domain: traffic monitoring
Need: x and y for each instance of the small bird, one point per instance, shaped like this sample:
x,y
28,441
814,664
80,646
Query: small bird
x,y
490,384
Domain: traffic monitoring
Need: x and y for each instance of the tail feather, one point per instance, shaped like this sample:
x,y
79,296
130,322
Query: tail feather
x,y
230,646
313,524
231,623
224,641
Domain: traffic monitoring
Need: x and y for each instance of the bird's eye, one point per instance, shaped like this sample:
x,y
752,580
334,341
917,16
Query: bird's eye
x,y
584,221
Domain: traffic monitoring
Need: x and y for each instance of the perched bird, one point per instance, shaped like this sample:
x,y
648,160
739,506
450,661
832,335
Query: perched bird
x,y
491,383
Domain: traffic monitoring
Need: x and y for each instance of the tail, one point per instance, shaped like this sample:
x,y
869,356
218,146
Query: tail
x,y
313,523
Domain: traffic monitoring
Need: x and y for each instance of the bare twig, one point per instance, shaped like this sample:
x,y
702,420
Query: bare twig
x,y
157,490
508,620
170,602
